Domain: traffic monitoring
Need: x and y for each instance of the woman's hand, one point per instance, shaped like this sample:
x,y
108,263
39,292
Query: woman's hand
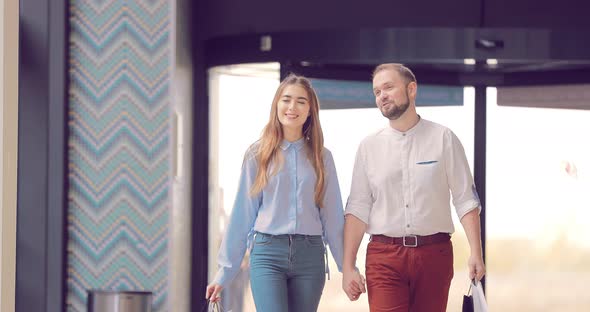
x,y
213,293
353,284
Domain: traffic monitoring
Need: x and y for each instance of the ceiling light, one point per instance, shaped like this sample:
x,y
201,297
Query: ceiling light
x,y
469,61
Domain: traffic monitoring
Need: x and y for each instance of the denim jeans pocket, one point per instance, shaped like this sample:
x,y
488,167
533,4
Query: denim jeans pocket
x,y
314,241
262,239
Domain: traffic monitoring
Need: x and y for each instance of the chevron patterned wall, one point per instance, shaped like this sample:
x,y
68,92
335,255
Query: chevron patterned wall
x,y
119,148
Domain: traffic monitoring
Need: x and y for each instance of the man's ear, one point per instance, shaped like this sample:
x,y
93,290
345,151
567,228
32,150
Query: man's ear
x,y
412,89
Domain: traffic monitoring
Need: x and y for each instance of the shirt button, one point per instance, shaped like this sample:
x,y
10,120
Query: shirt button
x,y
407,206
404,134
407,225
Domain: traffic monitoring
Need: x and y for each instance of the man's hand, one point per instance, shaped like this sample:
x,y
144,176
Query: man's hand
x,y
471,224
353,284
213,293
476,267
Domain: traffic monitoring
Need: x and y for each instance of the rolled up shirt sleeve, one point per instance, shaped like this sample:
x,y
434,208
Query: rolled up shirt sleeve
x,y
460,180
332,212
243,216
360,200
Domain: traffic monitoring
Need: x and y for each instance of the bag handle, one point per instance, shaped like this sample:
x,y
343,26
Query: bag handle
x,y
471,283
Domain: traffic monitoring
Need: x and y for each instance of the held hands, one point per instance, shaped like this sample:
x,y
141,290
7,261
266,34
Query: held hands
x,y
353,284
213,293
476,267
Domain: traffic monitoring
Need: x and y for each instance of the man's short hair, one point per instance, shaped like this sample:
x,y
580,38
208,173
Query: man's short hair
x,y
402,70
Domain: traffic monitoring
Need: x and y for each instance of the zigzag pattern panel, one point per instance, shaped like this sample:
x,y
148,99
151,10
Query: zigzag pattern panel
x,y
119,148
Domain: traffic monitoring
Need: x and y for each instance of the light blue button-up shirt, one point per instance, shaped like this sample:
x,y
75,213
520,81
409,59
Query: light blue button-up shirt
x,y
286,205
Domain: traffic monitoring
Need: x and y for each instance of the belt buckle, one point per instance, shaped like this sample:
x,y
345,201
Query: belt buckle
x,y
415,244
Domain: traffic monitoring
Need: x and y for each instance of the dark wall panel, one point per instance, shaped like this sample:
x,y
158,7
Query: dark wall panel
x,y
230,17
536,13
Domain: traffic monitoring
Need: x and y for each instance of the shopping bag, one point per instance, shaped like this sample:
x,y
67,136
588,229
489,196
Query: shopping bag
x,y
468,300
212,307
475,300
479,299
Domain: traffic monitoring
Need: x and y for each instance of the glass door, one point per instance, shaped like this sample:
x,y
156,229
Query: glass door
x,y
240,98
538,181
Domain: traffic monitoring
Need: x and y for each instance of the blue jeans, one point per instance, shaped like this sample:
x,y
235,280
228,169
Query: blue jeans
x,y
287,272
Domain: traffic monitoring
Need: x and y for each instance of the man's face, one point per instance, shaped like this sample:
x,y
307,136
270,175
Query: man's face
x,y
391,94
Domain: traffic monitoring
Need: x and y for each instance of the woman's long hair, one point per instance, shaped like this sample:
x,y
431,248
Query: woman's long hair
x,y
272,136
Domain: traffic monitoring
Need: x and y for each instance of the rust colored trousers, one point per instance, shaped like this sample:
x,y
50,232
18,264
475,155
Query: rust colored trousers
x,y
407,279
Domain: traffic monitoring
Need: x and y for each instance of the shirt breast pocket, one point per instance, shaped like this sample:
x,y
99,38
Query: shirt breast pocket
x,y
427,170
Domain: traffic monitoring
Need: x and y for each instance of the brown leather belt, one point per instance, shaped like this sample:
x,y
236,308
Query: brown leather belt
x,y
412,240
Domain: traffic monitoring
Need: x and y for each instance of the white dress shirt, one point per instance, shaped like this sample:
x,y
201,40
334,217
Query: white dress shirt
x,y
401,181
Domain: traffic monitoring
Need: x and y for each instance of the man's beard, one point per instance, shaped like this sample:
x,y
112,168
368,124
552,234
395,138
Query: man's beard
x,y
396,111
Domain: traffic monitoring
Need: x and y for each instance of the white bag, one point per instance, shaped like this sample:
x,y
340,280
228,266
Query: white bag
x,y
213,307
479,299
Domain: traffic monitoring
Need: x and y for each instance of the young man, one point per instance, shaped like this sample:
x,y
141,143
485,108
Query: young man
x,y
400,196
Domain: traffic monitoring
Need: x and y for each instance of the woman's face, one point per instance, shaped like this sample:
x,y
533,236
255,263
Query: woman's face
x,y
293,107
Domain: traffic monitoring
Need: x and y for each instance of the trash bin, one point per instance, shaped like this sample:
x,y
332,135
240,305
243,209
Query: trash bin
x,y
119,301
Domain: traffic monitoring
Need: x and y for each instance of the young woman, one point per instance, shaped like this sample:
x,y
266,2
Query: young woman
x,y
287,208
